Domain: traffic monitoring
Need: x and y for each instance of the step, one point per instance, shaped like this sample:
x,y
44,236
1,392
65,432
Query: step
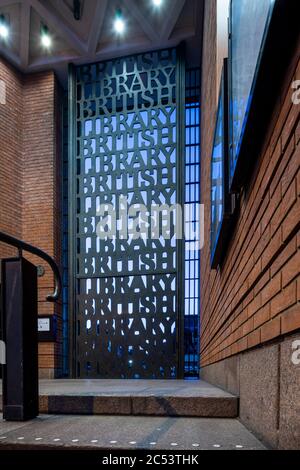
x,y
123,432
136,397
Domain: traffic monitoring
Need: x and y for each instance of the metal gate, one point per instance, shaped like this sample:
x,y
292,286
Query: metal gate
x,y
126,136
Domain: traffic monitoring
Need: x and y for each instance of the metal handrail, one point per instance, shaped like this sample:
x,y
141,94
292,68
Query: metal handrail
x,y
9,240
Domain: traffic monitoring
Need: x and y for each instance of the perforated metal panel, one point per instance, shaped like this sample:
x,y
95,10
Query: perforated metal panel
x,y
126,121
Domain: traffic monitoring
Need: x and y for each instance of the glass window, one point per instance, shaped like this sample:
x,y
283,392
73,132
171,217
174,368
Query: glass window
x,y
220,197
192,198
249,21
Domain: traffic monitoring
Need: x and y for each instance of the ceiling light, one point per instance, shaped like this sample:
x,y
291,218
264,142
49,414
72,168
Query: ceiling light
x,y
157,3
119,23
46,39
4,29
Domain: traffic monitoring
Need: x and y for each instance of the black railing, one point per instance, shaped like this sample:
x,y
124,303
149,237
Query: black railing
x,y
9,240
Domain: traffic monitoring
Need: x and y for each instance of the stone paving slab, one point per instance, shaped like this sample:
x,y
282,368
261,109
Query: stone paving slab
x,y
183,388
136,397
120,432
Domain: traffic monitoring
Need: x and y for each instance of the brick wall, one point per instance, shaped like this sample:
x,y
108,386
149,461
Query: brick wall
x,y
11,156
30,174
254,297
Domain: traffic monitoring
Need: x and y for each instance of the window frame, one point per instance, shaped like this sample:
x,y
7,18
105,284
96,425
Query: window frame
x,y
219,237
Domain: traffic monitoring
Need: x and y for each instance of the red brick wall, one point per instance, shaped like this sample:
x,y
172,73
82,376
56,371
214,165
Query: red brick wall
x,y
11,156
33,182
255,296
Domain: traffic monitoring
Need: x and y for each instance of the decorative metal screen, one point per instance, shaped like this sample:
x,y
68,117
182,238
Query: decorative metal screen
x,y
127,138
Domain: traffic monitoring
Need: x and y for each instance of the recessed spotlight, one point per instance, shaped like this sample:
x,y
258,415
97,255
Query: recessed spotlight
x,y
157,3
119,23
4,29
46,39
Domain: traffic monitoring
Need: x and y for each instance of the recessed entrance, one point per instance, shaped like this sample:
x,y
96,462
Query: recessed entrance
x,y
128,151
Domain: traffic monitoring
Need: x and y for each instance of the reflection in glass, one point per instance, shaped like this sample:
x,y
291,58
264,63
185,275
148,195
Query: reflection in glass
x,y
221,199
217,176
249,19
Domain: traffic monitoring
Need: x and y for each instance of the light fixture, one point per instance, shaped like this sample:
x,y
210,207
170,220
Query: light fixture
x,y
46,39
157,3
4,29
119,23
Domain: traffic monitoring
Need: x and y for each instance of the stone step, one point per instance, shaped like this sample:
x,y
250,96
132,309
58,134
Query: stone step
x,y
127,433
136,398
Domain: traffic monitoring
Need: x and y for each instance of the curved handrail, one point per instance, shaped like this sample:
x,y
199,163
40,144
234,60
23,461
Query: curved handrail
x,y
9,240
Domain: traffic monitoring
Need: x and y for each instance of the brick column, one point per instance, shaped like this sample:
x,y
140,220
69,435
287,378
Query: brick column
x,y
11,107
30,182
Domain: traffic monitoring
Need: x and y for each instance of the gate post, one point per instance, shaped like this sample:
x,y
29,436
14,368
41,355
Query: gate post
x,y
19,323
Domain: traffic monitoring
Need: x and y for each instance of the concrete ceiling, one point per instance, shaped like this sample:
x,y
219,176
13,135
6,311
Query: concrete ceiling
x,y
92,37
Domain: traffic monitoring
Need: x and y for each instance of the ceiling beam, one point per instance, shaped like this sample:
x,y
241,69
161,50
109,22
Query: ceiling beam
x,y
141,20
42,64
10,55
59,25
171,19
6,3
108,51
57,16
25,33
64,9
96,27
